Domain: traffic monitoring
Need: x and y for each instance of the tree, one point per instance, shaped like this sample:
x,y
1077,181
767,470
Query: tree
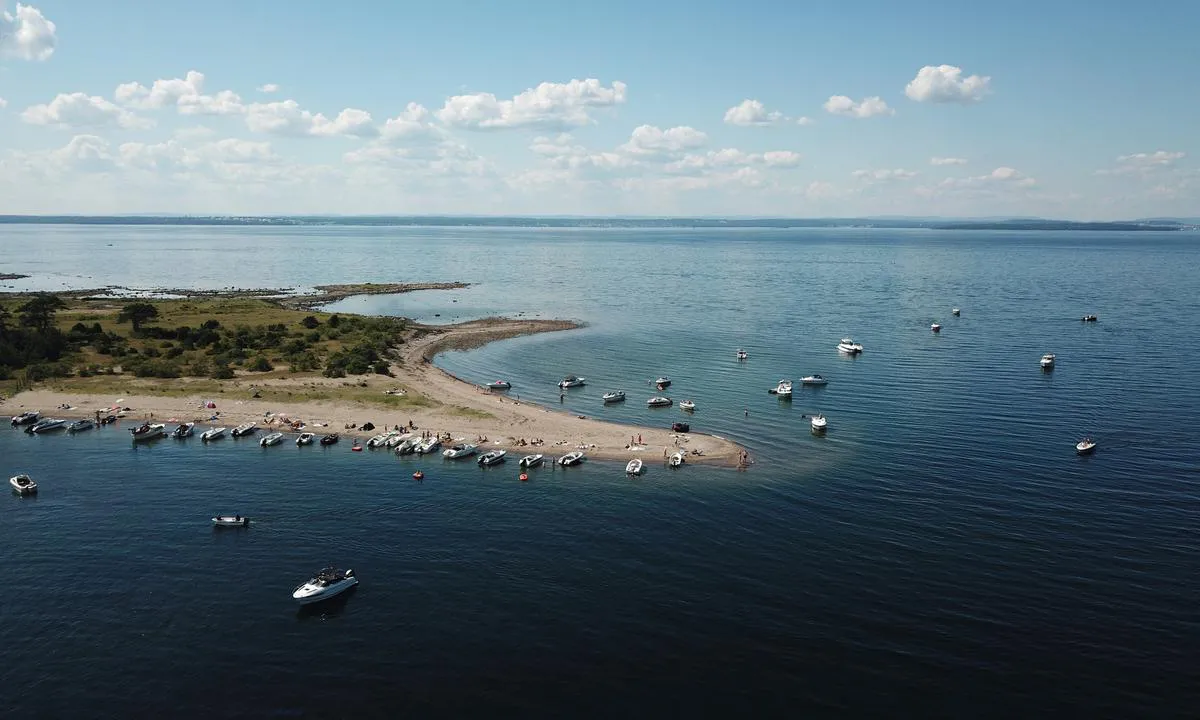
x,y
138,313
38,313
5,316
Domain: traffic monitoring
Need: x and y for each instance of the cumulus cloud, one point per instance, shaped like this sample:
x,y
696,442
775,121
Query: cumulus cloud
x,y
804,120
651,140
268,88
752,112
732,157
3,103
549,105
186,94
947,161
84,152
884,175
289,119
946,84
26,34
77,110
415,122
1000,177
842,105
1144,163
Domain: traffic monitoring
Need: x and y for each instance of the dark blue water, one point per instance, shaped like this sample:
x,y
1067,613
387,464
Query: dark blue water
x,y
941,551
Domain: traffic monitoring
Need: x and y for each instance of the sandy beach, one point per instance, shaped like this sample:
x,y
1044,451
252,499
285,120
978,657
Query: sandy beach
x,y
463,410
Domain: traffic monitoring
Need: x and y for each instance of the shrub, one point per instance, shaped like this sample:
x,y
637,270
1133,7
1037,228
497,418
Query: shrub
x,y
260,364
151,352
174,352
310,322
222,372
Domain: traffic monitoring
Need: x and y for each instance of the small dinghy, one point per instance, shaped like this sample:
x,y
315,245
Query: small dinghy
x,y
819,423
813,380
23,485
936,328
148,431
687,405
183,431
571,458
659,401
495,457
676,459
1085,446
328,583
499,385
1047,361
306,438
460,450
531,461
614,397
28,417
330,439
245,429
634,467
230,521
272,439
80,426
212,434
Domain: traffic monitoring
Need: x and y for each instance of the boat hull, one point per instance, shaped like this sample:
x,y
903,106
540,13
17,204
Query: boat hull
x,y
307,596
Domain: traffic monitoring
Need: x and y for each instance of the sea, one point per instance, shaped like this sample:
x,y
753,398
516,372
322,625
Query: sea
x,y
942,551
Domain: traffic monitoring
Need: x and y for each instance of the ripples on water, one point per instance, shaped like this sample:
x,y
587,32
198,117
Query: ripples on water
x,y
942,547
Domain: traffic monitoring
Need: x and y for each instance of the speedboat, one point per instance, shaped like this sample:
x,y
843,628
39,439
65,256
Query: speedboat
x,y
460,450
409,445
212,434
495,457
328,583
1089,318
848,346
499,385
245,429
687,405
80,426
272,439
1048,361
377,441
571,458
571,381
676,459
396,438
819,423
955,312
659,401
783,389
742,354
108,419
305,438
1085,446
634,467
614,396
680,427
813,380
148,431
23,485
28,417
935,327
429,446
230,521
183,431
330,439
663,382
531,461
46,425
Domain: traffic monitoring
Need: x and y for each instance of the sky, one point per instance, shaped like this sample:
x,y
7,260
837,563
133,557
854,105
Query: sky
x,y
1058,108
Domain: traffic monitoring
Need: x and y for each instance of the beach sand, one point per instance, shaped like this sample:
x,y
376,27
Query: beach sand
x,y
466,411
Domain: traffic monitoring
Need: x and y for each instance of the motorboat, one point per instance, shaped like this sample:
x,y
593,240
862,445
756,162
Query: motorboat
x,y
418,475
1085,446
245,429
663,382
148,431
614,396
28,417
306,438
687,405
212,434
676,459
460,450
813,380
1047,361
80,426
783,389
1089,318
396,438
46,425
680,427
531,461
272,439
571,381
327,583
23,485
848,346
431,445
499,385
377,441
571,458
184,431
742,354
819,423
634,467
330,439
108,419
494,457
936,328
230,521
660,401
955,312
409,446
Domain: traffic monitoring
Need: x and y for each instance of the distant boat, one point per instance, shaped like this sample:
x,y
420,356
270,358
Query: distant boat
x,y
819,423
1047,361
230,521
23,485
1085,446
614,396
245,429
742,354
936,328
28,417
687,405
183,431
676,459
328,583
571,458
813,380
272,439
494,457
46,425
148,431
634,467
499,385
213,434
659,401
955,312
531,461
1089,318
330,439
848,346
571,381
783,389
461,450
663,382
430,445
305,438
80,426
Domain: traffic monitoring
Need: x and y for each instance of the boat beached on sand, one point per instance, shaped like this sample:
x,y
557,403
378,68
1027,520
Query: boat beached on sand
x,y
148,431
245,429
23,485
80,426
571,458
272,439
327,583
531,461
46,425
330,439
460,450
212,434
494,457
183,431
409,445
676,459
430,445
499,385
28,417
634,467
306,438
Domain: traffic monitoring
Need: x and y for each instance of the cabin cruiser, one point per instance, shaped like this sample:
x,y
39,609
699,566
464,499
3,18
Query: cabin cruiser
x,y
1089,318
819,423
230,521
148,431
531,461
634,467
1047,361
687,405
430,445
306,438
571,381
1085,446
676,459
46,425
813,380
936,328
245,429
848,346
273,439
783,389
571,458
742,354
659,401
328,583
460,450
183,431
80,426
409,445
663,382
23,485
212,434
495,457
330,439
614,396
28,417
499,385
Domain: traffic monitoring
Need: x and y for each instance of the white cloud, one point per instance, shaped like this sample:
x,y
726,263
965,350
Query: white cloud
x,y
1000,177
197,132
77,110
804,120
186,94
947,161
732,157
413,123
549,105
752,112
782,158
944,84
287,118
26,34
84,152
650,140
884,175
1158,157
3,103
842,105
268,88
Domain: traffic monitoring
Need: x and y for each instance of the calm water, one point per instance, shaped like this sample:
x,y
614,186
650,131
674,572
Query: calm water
x,y
942,548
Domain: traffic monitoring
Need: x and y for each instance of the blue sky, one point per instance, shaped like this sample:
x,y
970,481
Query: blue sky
x,y
1063,109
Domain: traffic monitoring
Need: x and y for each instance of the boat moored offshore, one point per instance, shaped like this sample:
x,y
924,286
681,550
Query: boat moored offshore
x,y
327,583
23,485
849,347
571,381
613,397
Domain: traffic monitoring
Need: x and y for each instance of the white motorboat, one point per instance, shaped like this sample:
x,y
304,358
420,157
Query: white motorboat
x,y
377,441
495,457
531,461
23,485
328,583
80,426
272,439
813,380
571,381
47,425
955,312
184,431
783,389
148,431
460,450
634,467
848,346
396,438
245,429
409,446
306,438
230,521
819,423
663,382
1085,446
676,459
660,401
212,434
571,458
742,354
499,385
687,405
936,328
429,446
1048,361
28,417
614,396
